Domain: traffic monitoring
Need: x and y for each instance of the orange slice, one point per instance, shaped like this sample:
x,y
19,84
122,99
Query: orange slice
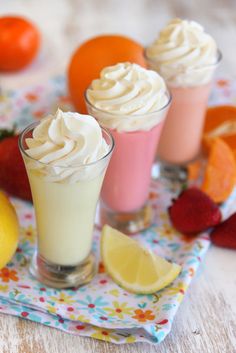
x,y
220,174
220,122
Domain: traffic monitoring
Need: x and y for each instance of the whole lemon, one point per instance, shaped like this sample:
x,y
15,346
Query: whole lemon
x,y
9,230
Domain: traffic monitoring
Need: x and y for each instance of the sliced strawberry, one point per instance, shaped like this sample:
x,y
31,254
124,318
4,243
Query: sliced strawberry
x,y
193,212
224,234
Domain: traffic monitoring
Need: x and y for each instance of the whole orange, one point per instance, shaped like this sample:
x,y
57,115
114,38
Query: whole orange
x,y
19,42
95,54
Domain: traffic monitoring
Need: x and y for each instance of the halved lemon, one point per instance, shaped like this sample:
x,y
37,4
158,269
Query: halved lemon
x,y
132,266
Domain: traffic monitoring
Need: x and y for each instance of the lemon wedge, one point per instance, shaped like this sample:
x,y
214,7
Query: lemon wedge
x,y
9,230
132,266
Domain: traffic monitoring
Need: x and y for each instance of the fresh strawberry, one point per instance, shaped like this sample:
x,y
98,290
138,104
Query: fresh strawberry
x,y
193,212
224,234
13,177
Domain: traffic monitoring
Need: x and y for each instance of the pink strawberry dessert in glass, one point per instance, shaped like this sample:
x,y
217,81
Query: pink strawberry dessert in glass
x,y
132,103
186,56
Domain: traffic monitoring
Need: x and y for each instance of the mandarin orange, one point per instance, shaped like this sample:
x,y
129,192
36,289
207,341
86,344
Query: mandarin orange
x,y
19,42
95,54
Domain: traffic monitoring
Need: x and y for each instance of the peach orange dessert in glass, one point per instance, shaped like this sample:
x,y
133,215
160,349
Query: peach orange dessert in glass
x,y
132,103
186,57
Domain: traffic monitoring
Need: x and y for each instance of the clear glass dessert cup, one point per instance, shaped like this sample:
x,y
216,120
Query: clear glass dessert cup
x,y
65,213
124,201
180,141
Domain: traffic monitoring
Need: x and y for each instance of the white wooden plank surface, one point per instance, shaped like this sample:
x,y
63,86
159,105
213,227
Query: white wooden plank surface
x,y
206,321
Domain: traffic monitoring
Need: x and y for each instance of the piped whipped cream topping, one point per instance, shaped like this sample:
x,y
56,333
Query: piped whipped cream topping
x,y
62,146
126,95
184,54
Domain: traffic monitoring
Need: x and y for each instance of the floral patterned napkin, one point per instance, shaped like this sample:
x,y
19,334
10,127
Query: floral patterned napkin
x,y
100,309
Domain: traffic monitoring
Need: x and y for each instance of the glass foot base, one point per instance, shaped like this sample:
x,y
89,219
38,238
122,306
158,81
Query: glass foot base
x,y
171,172
57,276
126,222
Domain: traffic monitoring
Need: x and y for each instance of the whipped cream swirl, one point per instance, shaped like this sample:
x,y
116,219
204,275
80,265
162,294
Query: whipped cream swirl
x,y
62,145
184,54
128,97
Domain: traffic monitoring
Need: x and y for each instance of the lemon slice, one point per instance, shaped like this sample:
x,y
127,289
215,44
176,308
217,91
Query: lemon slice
x,y
133,267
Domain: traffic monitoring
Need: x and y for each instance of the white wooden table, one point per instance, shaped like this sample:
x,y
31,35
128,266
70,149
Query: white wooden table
x,y
206,320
